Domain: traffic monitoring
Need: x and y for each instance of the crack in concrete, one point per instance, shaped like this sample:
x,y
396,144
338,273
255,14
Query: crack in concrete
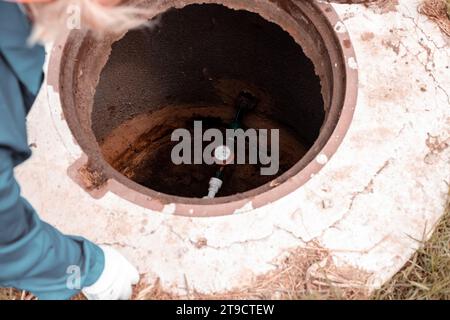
x,y
368,188
234,243
361,251
237,242
292,233
429,71
176,234
418,27
429,52
119,244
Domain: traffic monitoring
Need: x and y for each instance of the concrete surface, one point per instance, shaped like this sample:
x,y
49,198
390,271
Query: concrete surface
x,y
386,186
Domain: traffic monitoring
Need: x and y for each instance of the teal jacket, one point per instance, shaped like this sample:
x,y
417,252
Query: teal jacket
x,y
34,256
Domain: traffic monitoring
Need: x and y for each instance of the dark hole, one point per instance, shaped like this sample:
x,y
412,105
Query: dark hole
x,y
191,66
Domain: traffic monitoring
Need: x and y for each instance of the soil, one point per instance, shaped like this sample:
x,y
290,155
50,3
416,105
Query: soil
x,y
146,157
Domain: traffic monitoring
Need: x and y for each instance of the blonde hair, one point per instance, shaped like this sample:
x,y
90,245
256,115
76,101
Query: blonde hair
x,y
51,18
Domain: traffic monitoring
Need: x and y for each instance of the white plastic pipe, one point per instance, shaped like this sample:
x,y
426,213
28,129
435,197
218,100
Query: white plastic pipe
x,y
214,186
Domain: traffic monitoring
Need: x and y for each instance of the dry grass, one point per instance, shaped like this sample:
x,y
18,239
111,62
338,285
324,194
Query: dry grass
x,y
427,274
439,12
293,281
12,294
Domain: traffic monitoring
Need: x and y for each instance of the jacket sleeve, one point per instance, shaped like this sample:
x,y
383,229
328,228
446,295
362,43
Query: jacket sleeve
x,y
34,256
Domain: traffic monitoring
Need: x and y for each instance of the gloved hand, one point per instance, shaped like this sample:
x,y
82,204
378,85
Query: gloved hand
x,y
116,280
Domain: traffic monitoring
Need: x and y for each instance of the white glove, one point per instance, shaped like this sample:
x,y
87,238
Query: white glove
x,y
116,280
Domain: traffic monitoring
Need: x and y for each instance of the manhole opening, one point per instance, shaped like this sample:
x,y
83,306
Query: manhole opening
x,y
123,96
191,66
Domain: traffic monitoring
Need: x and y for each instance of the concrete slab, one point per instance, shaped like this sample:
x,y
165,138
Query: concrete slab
x,y
386,186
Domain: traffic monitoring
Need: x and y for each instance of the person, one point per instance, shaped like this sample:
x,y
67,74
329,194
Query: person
x,y
34,256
